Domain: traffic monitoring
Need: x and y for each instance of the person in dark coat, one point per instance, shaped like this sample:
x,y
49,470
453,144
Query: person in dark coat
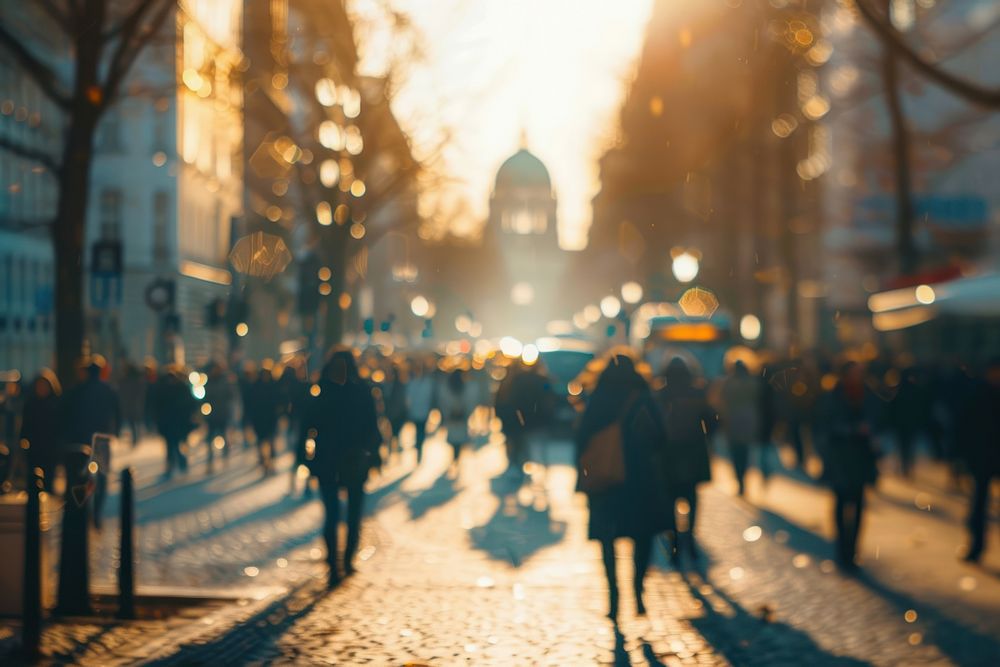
x,y
220,391
688,421
132,388
265,408
636,508
980,435
93,407
851,459
175,411
40,425
342,421
394,398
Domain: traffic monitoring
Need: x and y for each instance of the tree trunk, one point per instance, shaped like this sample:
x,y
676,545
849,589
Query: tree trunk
x,y
905,247
69,230
334,245
68,244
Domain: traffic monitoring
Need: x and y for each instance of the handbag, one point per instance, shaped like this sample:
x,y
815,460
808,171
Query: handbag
x,y
602,463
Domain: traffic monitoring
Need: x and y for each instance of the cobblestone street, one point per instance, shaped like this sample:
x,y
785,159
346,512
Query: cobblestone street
x,y
483,570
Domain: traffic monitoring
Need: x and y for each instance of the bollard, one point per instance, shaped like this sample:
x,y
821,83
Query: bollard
x,y
31,603
74,567
126,561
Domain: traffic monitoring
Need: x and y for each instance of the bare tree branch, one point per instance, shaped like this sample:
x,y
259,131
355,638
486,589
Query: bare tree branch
x,y
28,153
40,73
968,90
133,37
58,15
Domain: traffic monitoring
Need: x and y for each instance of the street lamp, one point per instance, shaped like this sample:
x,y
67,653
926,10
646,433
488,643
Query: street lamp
x,y
611,306
685,266
632,292
420,306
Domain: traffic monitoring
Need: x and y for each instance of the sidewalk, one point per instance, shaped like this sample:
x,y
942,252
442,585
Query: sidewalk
x,y
482,571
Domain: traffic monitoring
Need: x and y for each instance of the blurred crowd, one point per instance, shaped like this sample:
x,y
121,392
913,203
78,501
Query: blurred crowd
x,y
838,422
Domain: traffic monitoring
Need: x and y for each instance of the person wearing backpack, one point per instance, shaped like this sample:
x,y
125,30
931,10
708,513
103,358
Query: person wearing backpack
x,y
688,421
619,461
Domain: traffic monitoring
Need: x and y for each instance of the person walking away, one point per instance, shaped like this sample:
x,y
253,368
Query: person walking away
x,y
851,458
219,395
979,431
630,501
534,406
740,418
688,422
40,425
395,404
265,410
456,400
907,412
511,423
132,389
247,380
420,392
92,407
175,411
342,420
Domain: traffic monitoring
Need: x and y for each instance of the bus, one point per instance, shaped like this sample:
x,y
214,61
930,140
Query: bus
x,y
661,331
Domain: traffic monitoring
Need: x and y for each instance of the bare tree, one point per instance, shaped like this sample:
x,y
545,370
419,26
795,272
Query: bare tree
x,y
106,38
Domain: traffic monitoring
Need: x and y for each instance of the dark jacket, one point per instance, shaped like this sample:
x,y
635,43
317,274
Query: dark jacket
x,y
850,458
265,407
638,507
343,421
687,420
979,429
40,427
90,407
175,408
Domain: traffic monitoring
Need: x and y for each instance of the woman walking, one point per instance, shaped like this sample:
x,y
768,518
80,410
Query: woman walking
x,y
342,421
688,421
40,424
619,459
456,400
851,458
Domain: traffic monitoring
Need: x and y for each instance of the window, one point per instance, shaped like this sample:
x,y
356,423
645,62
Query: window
x,y
110,134
161,204
111,214
524,221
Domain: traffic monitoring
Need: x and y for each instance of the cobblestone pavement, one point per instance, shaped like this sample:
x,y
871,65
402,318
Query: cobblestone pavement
x,y
483,570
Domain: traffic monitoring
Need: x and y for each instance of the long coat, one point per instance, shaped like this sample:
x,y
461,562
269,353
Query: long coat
x,y
687,420
343,421
850,460
638,507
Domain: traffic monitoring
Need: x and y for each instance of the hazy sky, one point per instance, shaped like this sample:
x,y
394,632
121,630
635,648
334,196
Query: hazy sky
x,y
490,68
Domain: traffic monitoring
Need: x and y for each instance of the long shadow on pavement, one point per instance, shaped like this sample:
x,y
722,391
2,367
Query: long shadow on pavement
x,y
963,644
747,639
515,532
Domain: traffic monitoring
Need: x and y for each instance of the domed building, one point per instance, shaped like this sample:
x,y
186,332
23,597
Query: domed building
x,y
522,223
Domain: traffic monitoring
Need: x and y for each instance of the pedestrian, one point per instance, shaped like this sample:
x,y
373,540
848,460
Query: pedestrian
x,y
688,422
92,408
511,422
420,396
132,389
246,384
620,458
907,414
342,421
980,433
217,406
175,410
265,409
40,426
394,399
534,404
850,462
457,400
741,418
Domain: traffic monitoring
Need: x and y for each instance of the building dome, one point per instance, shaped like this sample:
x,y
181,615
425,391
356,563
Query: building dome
x,y
523,169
